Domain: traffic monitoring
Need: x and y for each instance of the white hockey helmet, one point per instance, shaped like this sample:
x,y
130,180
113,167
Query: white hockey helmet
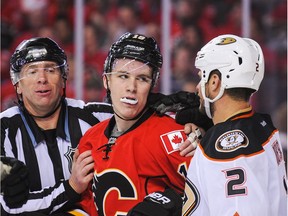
x,y
239,60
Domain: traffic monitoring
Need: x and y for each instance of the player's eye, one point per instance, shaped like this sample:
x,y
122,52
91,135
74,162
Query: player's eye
x,y
123,75
144,78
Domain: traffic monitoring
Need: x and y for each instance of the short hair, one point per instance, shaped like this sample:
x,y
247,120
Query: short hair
x,y
236,93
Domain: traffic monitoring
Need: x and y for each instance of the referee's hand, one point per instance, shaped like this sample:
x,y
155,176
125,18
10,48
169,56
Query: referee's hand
x,y
14,182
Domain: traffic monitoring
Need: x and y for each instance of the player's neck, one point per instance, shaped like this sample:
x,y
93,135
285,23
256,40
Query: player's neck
x,y
123,125
226,107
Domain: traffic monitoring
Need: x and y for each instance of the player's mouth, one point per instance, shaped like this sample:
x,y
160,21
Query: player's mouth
x,y
131,101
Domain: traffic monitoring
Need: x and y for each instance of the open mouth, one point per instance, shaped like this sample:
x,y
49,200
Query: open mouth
x,y
42,91
132,101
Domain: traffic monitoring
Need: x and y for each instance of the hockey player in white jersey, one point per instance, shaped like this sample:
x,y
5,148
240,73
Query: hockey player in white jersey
x,y
238,169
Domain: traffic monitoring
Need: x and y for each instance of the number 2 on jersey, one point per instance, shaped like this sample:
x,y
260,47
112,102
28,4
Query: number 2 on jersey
x,y
236,179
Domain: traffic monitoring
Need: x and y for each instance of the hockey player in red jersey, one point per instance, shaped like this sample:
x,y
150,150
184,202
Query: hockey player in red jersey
x,y
136,152
238,168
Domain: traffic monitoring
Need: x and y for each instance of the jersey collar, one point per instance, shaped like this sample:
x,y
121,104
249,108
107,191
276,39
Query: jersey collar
x,y
112,122
244,113
35,132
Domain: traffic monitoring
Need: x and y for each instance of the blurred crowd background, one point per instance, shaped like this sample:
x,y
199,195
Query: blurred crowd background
x,y
194,23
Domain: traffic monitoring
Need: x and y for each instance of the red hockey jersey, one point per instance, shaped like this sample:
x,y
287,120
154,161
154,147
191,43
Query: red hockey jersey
x,y
142,160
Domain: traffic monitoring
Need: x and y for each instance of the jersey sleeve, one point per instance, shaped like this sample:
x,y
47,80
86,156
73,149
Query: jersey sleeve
x,y
48,200
174,165
87,202
84,143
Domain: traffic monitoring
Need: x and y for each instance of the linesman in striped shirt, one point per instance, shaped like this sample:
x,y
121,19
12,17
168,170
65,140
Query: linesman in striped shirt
x,y
43,132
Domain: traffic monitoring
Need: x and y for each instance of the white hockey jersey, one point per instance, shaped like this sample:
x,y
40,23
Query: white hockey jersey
x,y
238,170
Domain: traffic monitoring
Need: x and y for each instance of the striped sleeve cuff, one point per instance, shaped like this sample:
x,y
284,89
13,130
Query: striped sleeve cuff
x,y
71,194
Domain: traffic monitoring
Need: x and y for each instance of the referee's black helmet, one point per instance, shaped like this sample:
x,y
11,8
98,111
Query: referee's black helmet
x,y
37,49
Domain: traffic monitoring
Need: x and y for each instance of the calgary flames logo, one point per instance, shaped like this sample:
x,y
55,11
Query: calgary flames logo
x,y
227,40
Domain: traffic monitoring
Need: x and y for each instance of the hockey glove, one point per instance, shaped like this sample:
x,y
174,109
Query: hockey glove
x,y
167,203
174,102
15,182
194,116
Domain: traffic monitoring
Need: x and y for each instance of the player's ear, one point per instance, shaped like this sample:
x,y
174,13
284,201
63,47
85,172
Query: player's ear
x,y
214,82
105,81
63,83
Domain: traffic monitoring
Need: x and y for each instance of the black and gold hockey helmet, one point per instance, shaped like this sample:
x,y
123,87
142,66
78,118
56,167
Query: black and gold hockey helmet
x,y
138,47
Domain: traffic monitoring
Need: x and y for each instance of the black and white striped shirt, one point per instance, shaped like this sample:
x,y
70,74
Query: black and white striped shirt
x,y
48,154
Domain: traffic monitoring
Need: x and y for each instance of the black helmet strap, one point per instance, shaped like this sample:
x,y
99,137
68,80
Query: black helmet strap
x,y
22,107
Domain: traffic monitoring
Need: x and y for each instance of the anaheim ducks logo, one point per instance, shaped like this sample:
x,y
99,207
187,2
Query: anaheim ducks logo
x,y
231,141
227,40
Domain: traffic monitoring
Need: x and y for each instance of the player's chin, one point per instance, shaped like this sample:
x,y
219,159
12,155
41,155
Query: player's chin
x,y
128,113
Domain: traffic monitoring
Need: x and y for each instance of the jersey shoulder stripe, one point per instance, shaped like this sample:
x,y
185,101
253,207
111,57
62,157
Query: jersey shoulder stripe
x,y
9,112
237,137
92,106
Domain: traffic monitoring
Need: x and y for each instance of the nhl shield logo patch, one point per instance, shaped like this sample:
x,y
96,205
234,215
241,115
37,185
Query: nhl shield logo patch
x,y
172,140
231,141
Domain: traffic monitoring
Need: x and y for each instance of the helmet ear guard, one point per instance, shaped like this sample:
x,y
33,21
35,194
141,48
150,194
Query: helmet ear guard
x,y
37,49
137,47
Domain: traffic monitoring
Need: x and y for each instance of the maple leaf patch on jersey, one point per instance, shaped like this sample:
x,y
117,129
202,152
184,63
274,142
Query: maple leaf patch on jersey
x,y
231,141
172,140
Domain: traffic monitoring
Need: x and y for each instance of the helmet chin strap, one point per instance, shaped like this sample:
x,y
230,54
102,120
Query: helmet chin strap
x,y
207,108
46,115
132,119
207,100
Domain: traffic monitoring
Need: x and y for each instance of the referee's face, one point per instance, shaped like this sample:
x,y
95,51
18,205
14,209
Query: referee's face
x,y
40,86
